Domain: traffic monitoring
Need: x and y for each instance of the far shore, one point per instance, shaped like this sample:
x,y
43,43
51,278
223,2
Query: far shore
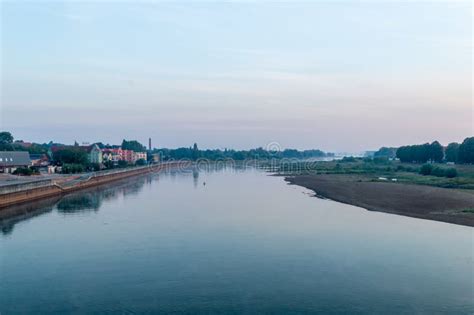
x,y
425,202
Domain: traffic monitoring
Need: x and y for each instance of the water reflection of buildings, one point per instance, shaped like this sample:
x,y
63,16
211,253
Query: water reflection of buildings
x,y
13,215
89,200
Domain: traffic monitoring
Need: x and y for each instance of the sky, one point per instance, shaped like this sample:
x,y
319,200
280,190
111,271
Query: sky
x,y
342,76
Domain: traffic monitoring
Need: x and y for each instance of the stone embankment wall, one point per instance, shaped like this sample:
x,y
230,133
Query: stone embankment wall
x,y
18,193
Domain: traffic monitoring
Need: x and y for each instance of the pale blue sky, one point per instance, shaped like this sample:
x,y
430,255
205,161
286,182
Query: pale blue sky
x,y
333,75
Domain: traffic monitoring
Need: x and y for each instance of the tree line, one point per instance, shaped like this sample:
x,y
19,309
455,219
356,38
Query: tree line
x,y
194,153
435,152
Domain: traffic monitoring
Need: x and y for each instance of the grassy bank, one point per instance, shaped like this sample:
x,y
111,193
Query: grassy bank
x,y
383,170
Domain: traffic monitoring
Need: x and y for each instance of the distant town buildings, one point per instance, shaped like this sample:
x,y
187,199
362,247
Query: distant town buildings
x,y
39,160
11,160
95,154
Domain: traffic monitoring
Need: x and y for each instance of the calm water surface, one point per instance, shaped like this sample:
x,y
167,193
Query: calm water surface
x,y
243,243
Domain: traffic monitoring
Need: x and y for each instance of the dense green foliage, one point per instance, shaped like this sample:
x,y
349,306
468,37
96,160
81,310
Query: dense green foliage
x,y
6,140
133,145
24,171
466,151
451,152
70,155
421,153
436,152
366,169
72,168
426,169
5,137
429,169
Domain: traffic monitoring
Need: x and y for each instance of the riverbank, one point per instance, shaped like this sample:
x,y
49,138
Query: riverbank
x,y
419,201
25,192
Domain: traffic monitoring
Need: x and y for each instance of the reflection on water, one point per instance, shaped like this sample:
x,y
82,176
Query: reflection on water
x,y
13,215
75,203
90,199
243,243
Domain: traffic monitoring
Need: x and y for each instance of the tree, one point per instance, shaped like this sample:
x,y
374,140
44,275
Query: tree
x,y
6,140
451,172
436,152
451,152
133,145
403,153
71,155
414,153
25,171
6,137
466,151
426,169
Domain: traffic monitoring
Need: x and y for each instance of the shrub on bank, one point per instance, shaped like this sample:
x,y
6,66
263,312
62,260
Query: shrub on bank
x,y
72,168
23,171
140,162
426,169
94,167
122,163
438,172
451,172
348,159
381,160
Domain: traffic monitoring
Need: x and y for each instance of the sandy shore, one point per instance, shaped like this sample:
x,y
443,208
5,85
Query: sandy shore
x,y
418,201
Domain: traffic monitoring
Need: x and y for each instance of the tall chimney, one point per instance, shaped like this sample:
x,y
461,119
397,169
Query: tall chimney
x,y
149,144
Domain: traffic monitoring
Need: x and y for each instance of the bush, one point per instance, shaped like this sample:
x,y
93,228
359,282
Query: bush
x,y
426,169
24,171
438,171
122,163
94,167
348,159
109,164
381,160
72,168
451,172
412,169
140,162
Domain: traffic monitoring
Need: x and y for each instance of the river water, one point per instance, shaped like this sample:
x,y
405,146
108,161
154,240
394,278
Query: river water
x,y
244,242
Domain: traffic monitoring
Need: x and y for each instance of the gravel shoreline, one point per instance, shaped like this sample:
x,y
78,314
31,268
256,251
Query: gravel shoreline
x,y
425,202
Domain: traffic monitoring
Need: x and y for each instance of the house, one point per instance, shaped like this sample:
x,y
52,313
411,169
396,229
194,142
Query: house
x,y
139,156
95,154
11,160
39,160
128,155
114,154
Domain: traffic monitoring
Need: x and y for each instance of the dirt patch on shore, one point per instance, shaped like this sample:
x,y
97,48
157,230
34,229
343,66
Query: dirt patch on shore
x,y
440,204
